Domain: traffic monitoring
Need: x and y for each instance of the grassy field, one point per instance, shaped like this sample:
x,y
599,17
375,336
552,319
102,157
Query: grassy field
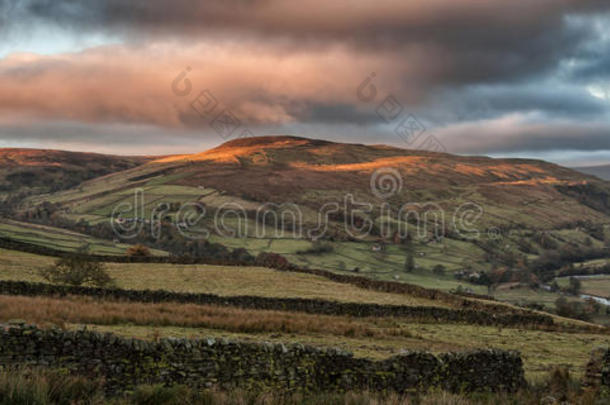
x,y
541,351
94,202
45,387
62,239
366,337
598,285
386,265
222,280
527,295
228,281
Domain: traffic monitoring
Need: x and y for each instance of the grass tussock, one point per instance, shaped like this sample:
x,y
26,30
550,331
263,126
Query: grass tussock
x,y
34,387
44,311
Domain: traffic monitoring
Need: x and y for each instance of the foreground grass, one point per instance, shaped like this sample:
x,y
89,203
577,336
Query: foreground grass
x,y
45,387
227,281
541,351
86,310
365,337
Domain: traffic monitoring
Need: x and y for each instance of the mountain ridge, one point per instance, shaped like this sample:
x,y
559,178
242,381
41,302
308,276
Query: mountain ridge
x,y
601,171
311,173
35,171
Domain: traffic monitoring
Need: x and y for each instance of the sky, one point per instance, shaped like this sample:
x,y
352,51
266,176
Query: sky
x,y
505,78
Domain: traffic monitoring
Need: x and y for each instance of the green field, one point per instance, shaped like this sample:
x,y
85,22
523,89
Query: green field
x,y
62,239
541,351
385,265
184,181
368,337
597,285
527,295
221,280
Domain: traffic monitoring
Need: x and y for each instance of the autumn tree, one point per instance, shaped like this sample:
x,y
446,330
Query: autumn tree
x,y
77,271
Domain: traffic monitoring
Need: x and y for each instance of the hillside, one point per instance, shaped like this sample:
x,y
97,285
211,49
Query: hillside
x,y
311,173
467,215
40,170
210,275
602,171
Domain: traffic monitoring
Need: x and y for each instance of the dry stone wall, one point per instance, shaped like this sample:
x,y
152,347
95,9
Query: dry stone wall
x,y
597,374
312,306
359,281
203,363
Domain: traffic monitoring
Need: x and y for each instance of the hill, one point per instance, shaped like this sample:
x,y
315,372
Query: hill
x,y
41,170
527,225
602,171
313,172
473,220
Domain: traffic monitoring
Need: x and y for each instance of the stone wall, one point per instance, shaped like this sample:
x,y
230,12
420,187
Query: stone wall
x,y
597,374
359,281
202,363
312,306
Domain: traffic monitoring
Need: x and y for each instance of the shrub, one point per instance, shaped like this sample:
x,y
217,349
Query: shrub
x,y
77,271
568,309
439,270
318,247
242,255
272,260
574,287
138,251
547,242
41,387
534,305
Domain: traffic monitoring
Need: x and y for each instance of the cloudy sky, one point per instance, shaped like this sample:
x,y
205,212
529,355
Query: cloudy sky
x,y
497,77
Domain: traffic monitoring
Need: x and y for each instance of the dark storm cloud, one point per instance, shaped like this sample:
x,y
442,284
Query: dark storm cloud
x,y
335,113
464,40
595,67
464,65
479,102
105,138
521,134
